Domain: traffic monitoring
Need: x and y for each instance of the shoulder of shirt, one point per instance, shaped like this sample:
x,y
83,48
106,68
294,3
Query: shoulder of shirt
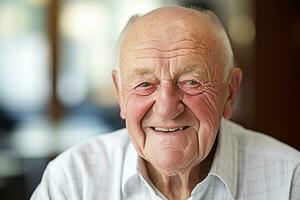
x,y
103,147
90,165
261,144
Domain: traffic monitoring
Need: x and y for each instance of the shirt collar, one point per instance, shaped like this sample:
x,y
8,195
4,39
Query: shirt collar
x,y
225,163
224,166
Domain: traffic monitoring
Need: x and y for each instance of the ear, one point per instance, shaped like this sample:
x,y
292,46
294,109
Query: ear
x,y
118,91
233,88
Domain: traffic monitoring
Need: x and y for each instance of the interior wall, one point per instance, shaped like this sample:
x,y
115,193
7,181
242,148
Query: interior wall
x,y
277,69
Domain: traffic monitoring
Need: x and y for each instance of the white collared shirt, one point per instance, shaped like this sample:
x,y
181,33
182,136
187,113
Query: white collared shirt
x,y
246,165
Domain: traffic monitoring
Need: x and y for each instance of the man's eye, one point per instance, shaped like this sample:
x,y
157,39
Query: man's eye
x,y
191,83
191,87
144,85
145,88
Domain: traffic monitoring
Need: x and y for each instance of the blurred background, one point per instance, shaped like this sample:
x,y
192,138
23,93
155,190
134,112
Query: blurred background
x,y
56,57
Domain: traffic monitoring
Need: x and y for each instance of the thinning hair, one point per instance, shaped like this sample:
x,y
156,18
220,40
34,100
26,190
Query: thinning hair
x,y
218,28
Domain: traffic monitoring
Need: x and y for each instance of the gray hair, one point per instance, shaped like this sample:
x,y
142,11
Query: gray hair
x,y
219,31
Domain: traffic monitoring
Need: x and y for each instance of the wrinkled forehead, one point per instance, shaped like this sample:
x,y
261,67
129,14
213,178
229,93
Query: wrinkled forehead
x,y
169,26
170,29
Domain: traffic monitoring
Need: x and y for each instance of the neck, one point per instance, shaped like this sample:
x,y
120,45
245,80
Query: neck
x,y
179,184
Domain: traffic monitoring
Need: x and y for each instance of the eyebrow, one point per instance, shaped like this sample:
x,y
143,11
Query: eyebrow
x,y
139,72
190,69
142,71
149,70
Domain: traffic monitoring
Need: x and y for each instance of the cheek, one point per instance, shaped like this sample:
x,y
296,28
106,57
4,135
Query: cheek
x,y
136,108
207,108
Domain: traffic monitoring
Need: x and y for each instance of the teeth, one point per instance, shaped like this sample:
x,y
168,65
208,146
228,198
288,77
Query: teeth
x,y
168,129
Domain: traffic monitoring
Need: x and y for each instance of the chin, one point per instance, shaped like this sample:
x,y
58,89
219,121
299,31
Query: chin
x,y
170,161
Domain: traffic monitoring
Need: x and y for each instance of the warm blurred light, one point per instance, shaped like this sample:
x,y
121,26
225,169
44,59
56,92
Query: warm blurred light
x,y
34,138
83,20
76,129
39,2
13,19
100,66
241,30
72,89
37,137
24,73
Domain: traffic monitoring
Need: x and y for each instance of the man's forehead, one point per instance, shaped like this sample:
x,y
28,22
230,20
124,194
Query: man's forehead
x,y
167,29
158,72
194,68
152,32
173,13
166,23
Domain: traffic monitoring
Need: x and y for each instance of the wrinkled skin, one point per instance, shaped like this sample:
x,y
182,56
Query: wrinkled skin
x,y
172,77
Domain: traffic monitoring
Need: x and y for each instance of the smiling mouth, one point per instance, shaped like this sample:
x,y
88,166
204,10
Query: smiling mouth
x,y
169,130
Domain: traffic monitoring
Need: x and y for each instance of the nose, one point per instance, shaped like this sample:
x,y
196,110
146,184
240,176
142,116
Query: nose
x,y
168,103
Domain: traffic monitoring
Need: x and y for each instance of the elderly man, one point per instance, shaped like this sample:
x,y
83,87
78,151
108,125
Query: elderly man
x,y
176,86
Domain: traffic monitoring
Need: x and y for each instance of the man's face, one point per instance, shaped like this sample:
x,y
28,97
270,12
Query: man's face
x,y
173,93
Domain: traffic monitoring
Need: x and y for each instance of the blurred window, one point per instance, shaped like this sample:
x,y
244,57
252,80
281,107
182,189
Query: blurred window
x,y
89,30
24,56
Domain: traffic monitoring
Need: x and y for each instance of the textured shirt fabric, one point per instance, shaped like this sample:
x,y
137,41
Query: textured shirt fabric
x,y
246,165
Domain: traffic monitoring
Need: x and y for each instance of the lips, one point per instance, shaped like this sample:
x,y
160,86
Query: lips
x,y
169,130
